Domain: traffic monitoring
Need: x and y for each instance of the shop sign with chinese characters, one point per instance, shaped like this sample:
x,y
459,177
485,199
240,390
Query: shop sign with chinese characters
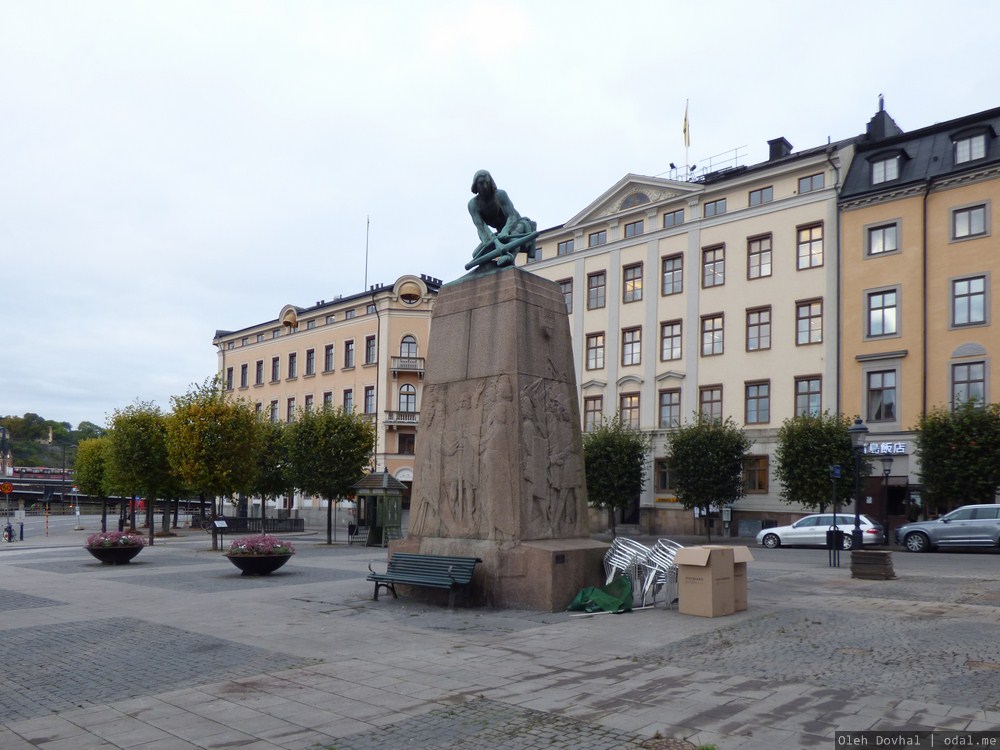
x,y
886,449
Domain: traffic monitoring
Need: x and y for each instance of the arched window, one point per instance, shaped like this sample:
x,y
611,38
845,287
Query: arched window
x,y
407,398
408,346
634,199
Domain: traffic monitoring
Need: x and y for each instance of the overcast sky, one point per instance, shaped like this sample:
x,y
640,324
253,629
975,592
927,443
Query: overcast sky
x,y
172,168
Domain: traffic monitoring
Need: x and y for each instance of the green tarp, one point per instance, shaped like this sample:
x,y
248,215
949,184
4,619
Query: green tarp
x,y
616,597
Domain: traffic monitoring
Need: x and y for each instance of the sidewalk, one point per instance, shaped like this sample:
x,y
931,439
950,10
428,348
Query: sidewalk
x,y
177,651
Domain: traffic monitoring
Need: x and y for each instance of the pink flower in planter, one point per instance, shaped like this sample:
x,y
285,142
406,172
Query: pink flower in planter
x,y
260,544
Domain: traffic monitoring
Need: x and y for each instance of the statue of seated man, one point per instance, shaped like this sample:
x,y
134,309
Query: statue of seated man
x,y
492,208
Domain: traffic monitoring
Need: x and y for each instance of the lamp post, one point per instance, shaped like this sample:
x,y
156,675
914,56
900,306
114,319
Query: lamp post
x,y
857,431
886,471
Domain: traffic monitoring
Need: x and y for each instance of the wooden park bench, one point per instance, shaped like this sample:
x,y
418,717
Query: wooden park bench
x,y
432,571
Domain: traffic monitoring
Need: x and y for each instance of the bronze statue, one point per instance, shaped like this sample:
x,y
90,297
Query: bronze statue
x,y
492,208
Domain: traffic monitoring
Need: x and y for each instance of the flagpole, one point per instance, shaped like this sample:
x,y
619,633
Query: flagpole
x,y
687,140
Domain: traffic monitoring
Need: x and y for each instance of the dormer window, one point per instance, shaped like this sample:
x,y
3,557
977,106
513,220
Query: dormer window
x,y
970,148
885,170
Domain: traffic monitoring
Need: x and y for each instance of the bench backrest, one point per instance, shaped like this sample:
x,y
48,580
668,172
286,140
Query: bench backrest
x,y
461,568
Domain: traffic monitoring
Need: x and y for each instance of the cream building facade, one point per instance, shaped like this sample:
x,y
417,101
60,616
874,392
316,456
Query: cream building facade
x,y
714,295
363,353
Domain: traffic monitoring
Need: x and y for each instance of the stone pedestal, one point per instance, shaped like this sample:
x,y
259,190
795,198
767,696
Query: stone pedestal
x,y
498,469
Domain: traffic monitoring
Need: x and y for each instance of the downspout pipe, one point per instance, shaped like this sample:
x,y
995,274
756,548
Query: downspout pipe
x,y
830,151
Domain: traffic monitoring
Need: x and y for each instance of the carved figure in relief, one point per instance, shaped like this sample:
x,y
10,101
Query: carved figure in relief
x,y
498,462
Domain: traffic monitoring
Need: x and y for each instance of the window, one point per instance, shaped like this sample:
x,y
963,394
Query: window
x,y
713,267
882,313
310,361
631,346
633,229
564,248
632,283
970,149
595,290
595,351
408,346
715,208
633,200
885,170
275,369
407,398
968,222
231,345
811,183
710,402
348,314
593,413
758,329
673,218
331,319
808,396
259,373
328,358
328,400
758,403
370,309
670,340
968,383
673,275
273,411
881,396
883,239
244,375
276,333
371,355
229,378
968,301
348,354
597,238
670,408
809,322
755,475
712,341
310,324
810,247
260,337
764,195
629,409
293,365
405,443
566,287
308,405
290,409
663,478
369,399
348,400
759,257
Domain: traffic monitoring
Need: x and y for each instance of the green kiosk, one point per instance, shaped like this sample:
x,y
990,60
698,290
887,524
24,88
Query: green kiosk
x,y
380,509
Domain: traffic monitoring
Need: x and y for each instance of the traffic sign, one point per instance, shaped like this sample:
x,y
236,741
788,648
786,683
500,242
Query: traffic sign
x,y
6,488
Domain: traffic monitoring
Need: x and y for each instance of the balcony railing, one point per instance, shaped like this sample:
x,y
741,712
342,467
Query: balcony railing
x,y
407,364
402,418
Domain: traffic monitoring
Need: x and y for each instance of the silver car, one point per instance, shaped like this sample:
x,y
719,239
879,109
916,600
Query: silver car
x,y
811,531
968,526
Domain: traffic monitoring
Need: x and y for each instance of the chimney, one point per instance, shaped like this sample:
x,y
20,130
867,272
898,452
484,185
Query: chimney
x,y
779,148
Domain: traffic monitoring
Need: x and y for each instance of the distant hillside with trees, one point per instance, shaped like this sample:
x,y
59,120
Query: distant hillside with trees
x,y
36,441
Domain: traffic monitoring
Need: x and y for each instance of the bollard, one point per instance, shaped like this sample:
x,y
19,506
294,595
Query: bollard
x,y
21,535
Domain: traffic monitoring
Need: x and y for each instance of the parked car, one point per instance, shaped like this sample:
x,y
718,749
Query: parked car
x,y
968,526
811,531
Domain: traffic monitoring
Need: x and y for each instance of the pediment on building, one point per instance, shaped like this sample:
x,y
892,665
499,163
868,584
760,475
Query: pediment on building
x,y
632,195
669,375
969,350
626,380
594,385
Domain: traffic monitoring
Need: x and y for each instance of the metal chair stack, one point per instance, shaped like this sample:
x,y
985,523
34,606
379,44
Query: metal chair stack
x,y
627,557
661,571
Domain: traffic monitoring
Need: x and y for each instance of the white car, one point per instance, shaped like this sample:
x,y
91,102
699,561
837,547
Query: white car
x,y
811,531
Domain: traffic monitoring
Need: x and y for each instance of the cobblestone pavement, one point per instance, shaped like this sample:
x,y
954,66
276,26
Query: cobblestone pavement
x,y
178,651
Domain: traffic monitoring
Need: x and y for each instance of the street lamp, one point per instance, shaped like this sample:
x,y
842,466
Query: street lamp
x,y
886,471
857,431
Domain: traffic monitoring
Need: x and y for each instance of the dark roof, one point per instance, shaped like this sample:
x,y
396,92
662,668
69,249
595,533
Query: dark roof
x,y
378,480
925,155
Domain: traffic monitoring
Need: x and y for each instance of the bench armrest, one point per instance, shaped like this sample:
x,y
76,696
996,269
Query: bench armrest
x,y
370,563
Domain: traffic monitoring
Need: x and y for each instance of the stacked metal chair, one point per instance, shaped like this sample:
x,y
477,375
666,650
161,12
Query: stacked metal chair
x,y
660,571
627,557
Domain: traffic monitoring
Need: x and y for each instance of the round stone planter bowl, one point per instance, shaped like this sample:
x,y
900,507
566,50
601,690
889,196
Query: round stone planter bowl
x,y
258,565
115,555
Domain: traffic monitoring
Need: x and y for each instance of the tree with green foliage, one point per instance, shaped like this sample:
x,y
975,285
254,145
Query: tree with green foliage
x,y
271,479
213,441
706,463
615,459
91,472
137,460
808,446
959,455
328,452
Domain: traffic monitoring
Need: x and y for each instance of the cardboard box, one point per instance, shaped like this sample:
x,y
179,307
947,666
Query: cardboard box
x,y
705,581
741,556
